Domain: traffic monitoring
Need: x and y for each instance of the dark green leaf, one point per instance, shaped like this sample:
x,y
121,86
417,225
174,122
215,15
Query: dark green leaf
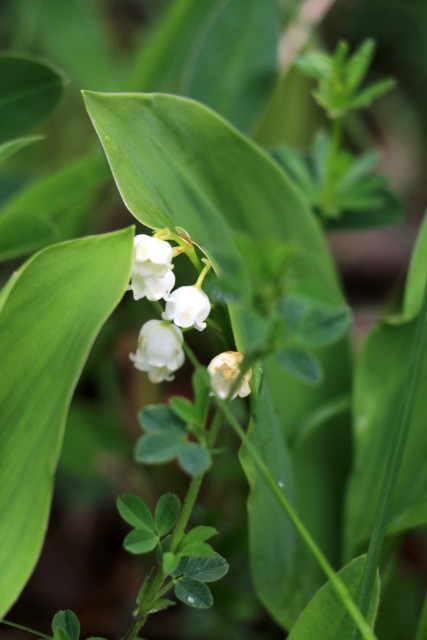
x,y
166,514
160,418
203,569
45,338
9,148
323,326
325,617
201,387
140,541
194,593
234,61
135,511
29,91
194,458
300,364
61,634
158,447
69,622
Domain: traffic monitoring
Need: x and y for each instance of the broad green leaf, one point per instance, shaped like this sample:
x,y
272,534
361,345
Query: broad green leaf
x,y
29,90
194,458
155,448
194,593
60,634
160,418
140,541
276,553
325,617
380,378
234,61
169,562
134,511
166,514
77,35
33,218
301,364
69,622
163,54
51,312
322,326
203,569
13,146
167,177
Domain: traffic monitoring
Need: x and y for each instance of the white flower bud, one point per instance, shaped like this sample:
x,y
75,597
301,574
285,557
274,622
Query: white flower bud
x,y
159,350
152,288
188,307
223,371
152,257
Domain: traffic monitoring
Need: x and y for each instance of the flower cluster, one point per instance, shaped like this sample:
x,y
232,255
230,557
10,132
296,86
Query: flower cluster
x,y
160,345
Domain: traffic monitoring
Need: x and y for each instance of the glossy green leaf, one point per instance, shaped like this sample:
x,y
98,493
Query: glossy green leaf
x,y
233,63
140,541
194,593
69,622
203,569
134,511
180,164
13,146
380,379
166,514
325,617
29,90
51,311
33,218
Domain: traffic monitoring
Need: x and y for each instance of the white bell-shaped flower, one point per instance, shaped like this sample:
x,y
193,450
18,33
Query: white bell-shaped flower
x,y
188,307
152,288
223,371
152,257
159,350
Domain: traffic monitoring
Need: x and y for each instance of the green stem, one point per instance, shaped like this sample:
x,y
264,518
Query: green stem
x,y
23,628
157,589
421,632
394,460
336,582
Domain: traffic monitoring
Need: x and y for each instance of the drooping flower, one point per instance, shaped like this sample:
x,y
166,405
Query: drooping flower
x,y
159,350
152,257
223,371
188,307
152,288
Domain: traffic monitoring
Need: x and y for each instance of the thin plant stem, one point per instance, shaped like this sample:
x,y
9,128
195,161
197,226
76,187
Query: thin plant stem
x,y
394,460
336,582
421,632
23,628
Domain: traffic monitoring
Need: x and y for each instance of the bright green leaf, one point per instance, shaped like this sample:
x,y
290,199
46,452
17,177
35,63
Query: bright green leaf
x,y
161,605
51,312
29,91
69,622
197,549
194,593
199,534
169,562
194,458
325,616
184,409
135,511
166,514
140,541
